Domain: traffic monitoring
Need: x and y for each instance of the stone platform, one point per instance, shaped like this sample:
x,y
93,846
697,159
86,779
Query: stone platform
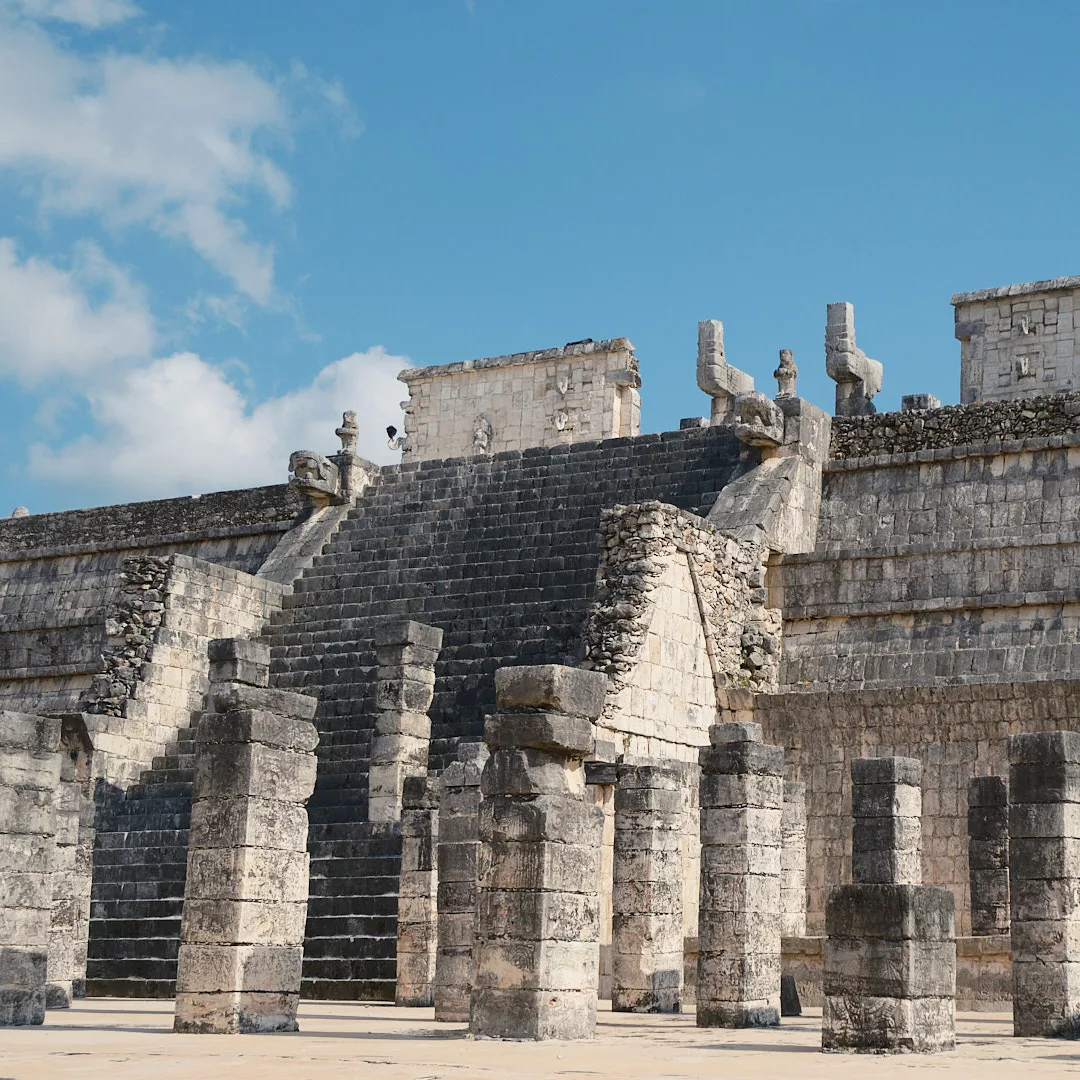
x,y
130,1040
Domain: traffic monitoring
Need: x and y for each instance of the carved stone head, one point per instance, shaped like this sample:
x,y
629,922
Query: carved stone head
x,y
314,476
758,420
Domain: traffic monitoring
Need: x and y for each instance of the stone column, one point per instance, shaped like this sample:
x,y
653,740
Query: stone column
x,y
793,861
406,653
417,935
988,854
1044,881
890,953
742,794
245,899
459,809
71,878
647,923
886,833
29,778
538,914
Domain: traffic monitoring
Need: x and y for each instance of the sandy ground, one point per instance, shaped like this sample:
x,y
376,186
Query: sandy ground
x,y
123,1039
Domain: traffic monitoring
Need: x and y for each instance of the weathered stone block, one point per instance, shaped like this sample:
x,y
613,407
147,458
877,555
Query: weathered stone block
x,y
236,1012
497,1013
248,822
551,687
891,912
563,733
547,817
888,1025
886,770
743,758
246,874
244,922
527,866
532,772
243,726
205,968
237,697
256,770
239,660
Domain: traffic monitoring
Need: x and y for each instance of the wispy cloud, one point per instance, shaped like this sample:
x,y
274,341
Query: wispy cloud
x,y
92,14
70,318
175,145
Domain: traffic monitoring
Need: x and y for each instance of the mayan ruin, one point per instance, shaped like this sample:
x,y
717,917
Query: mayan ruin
x,y
554,715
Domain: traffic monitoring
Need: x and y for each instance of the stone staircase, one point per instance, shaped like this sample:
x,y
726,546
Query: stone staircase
x,y
140,862
501,554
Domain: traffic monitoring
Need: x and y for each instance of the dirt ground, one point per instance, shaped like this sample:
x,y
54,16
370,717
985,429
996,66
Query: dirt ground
x,y
120,1039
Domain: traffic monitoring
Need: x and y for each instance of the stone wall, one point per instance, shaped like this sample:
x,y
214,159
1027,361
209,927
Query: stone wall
x,y
955,427
956,732
942,567
1018,340
60,574
679,613
154,675
583,391
158,522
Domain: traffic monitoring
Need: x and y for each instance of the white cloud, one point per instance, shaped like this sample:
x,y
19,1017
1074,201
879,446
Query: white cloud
x,y
51,326
178,426
178,145
93,14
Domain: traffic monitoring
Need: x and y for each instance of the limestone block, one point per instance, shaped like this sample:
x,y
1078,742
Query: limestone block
x,y
523,964
497,1013
237,697
248,822
893,1025
247,922
246,874
528,866
550,731
241,726
551,687
532,772
236,1012
256,770
547,817
239,660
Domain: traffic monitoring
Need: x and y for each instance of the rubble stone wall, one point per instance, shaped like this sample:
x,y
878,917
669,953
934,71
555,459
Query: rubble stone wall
x,y
956,427
679,613
956,732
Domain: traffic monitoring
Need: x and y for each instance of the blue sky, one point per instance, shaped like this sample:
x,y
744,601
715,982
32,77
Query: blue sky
x,y
222,223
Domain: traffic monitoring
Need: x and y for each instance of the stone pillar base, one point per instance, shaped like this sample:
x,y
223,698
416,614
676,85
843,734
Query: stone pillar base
x,y
533,1014
890,970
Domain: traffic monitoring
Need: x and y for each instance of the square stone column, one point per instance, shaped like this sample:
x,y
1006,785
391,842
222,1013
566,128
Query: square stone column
x,y
245,898
988,854
29,778
538,910
72,866
793,861
459,812
742,795
890,951
886,809
406,653
1044,879
647,922
417,937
